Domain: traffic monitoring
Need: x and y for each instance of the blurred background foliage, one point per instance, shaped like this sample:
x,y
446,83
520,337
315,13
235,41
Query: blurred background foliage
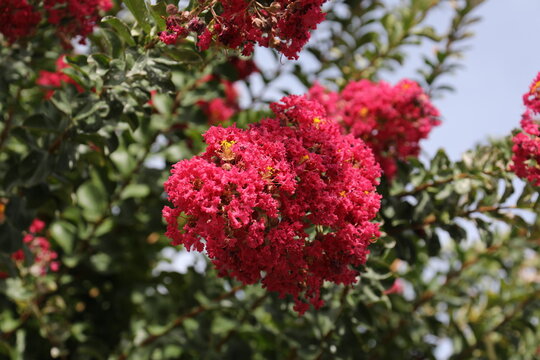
x,y
456,273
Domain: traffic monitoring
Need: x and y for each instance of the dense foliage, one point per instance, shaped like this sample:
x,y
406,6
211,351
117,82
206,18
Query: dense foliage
x,y
162,128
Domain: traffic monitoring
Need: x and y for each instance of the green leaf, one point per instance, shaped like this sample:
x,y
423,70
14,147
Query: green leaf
x,y
64,233
140,13
163,103
222,325
114,43
93,199
121,29
159,12
10,238
135,191
183,55
34,168
39,122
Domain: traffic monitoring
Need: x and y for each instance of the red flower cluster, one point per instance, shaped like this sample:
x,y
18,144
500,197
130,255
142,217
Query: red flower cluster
x,y
221,109
283,25
243,68
54,80
390,119
17,19
71,18
44,257
75,17
526,149
287,202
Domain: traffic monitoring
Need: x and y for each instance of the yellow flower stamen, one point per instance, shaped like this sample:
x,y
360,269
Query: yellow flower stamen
x,y
226,150
535,88
227,144
363,111
304,158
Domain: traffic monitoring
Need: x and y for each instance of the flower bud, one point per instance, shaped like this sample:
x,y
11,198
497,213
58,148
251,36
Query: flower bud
x,y
172,9
275,6
196,25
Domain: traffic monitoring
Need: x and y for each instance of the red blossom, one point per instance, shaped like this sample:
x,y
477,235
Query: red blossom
x,y
204,40
396,288
287,202
54,80
74,18
40,248
220,110
105,5
531,99
390,119
237,24
526,150
243,68
217,110
17,19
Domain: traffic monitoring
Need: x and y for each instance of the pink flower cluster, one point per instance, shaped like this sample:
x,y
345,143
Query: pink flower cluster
x,y
287,202
17,19
219,110
44,257
54,80
526,149
239,24
390,119
71,18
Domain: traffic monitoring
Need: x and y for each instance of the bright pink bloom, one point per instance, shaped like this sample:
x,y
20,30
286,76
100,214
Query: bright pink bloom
x,y
220,110
217,110
526,150
531,99
390,119
287,202
37,226
44,257
105,5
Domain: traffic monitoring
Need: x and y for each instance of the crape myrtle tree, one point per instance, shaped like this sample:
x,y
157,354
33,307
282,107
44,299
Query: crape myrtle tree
x,y
326,235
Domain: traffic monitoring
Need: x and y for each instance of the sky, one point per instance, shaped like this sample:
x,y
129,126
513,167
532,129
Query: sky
x,y
502,62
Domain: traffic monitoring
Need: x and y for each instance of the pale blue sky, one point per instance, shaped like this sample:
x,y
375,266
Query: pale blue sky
x,y
502,62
